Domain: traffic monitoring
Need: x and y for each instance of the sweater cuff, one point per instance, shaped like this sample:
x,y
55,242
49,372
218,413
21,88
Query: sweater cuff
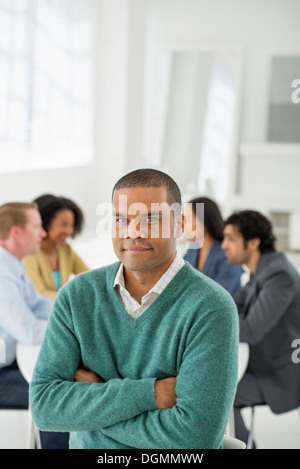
x,y
144,394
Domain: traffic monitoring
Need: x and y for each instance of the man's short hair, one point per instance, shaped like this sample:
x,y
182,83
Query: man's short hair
x,y
13,214
149,177
252,224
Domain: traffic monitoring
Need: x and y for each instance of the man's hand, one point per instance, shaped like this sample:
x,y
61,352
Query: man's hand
x,y
85,375
164,393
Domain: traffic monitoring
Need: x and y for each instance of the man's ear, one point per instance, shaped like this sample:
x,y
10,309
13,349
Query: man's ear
x,y
14,231
254,244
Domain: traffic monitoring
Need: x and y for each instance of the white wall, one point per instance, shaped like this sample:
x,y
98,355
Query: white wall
x,y
268,178
264,28
78,184
91,184
119,25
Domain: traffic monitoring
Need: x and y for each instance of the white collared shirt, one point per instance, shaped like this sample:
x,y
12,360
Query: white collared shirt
x,y
133,307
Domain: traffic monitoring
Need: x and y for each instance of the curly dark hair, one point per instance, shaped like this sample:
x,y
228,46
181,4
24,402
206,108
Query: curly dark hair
x,y
49,205
252,224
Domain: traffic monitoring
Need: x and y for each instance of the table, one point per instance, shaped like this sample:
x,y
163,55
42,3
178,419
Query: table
x,y
26,358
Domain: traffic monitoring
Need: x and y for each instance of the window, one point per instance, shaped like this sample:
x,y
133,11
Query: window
x,y
46,86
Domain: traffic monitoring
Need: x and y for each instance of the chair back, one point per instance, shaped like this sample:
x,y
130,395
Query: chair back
x,y
229,442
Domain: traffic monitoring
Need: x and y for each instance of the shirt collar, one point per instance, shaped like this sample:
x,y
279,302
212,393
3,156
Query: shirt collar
x,y
162,282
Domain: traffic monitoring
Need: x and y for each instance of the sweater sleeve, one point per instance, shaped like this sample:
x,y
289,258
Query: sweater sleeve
x,y
206,386
79,406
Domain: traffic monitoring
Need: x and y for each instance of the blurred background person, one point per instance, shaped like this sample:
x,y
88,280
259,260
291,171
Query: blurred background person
x,y
24,312
269,315
52,266
205,252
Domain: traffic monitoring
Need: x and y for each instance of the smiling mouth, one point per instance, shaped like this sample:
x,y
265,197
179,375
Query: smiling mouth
x,y
136,249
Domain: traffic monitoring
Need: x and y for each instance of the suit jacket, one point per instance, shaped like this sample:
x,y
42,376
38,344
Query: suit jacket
x,y
269,307
216,267
39,271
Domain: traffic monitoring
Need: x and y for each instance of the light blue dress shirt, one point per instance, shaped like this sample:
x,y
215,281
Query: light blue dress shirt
x,y
22,309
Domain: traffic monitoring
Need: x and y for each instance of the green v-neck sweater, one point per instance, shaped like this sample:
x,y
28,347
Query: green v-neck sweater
x,y
190,332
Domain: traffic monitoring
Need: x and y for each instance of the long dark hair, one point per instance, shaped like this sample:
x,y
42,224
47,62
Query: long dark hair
x,y
213,220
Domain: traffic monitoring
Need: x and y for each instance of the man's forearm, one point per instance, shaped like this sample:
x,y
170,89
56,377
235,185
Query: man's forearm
x,y
82,406
85,375
164,393
164,389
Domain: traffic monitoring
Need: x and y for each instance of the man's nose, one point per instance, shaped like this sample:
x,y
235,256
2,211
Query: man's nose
x,y
135,229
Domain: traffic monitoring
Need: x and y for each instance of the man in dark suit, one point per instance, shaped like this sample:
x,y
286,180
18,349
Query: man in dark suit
x,y
269,311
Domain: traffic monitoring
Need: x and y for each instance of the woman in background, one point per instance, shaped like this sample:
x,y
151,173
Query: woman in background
x,y
52,266
205,252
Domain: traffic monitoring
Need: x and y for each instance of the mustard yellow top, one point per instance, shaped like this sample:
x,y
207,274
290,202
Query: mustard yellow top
x,y
38,269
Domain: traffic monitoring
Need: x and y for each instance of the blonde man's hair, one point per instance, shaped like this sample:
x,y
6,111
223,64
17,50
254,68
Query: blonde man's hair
x,y
13,214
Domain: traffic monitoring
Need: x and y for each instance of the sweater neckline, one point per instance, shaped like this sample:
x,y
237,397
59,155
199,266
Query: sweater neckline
x,y
176,282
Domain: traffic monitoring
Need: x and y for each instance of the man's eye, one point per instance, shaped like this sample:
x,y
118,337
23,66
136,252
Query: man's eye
x,y
146,220
121,220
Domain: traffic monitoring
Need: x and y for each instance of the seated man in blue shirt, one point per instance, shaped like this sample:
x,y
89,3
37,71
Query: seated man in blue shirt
x,y
22,309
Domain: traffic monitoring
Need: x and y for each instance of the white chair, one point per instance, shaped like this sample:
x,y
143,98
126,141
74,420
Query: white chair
x,y
229,442
31,436
250,440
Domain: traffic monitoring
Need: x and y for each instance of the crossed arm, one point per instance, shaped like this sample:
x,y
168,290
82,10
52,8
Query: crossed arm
x,y
164,389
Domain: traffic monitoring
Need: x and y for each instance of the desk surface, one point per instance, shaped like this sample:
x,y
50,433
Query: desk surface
x,y
26,359
27,356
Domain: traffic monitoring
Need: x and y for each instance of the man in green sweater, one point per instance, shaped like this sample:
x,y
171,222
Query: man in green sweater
x,y
142,353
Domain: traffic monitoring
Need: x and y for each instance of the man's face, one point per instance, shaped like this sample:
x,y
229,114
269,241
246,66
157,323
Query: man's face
x,y
143,235
30,237
234,246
